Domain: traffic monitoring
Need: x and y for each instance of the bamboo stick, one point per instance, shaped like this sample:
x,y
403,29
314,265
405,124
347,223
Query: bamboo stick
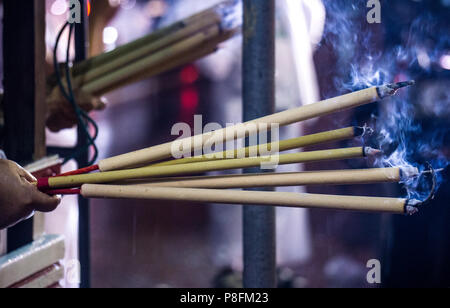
x,y
196,168
333,177
283,145
333,105
284,199
209,19
119,76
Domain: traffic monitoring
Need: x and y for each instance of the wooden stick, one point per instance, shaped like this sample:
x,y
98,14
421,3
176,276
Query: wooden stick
x,y
148,49
121,75
197,168
283,145
285,199
164,151
334,177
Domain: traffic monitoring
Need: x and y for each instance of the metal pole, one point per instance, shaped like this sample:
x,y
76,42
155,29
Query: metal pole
x,y
84,240
258,100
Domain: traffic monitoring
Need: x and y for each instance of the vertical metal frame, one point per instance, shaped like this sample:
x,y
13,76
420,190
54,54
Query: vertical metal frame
x,y
84,240
259,101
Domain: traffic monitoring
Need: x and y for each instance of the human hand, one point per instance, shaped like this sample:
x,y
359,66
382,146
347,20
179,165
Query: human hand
x,y
19,197
60,114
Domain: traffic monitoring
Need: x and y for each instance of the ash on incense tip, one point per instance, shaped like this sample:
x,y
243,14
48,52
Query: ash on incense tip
x,y
392,88
368,151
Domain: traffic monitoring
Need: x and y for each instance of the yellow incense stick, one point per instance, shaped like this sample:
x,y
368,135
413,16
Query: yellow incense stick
x,y
285,199
283,145
196,168
332,177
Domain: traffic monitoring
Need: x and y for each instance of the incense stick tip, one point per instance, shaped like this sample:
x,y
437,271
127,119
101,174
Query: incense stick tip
x,y
391,89
408,172
404,84
412,206
411,210
368,151
363,131
359,131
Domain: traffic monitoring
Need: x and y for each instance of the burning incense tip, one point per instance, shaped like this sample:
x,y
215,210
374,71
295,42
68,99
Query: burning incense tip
x,y
391,89
436,171
408,172
364,131
412,207
411,210
368,151
403,84
360,131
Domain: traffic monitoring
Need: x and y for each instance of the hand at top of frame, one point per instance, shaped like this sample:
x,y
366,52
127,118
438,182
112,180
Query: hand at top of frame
x,y
61,115
19,198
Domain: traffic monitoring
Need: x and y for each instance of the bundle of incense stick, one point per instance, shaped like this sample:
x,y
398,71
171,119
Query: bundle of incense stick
x,y
168,48
239,131
163,181
164,151
211,190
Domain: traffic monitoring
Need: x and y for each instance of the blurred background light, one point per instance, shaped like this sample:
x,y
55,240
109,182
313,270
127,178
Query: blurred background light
x,y
114,3
124,4
189,99
127,4
156,8
88,4
110,35
59,7
445,61
189,75
423,59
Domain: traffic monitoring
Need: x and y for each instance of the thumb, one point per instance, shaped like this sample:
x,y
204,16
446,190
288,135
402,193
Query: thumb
x,y
43,202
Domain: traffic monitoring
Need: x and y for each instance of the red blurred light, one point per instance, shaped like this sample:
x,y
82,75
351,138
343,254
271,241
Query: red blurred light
x,y
189,75
189,99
